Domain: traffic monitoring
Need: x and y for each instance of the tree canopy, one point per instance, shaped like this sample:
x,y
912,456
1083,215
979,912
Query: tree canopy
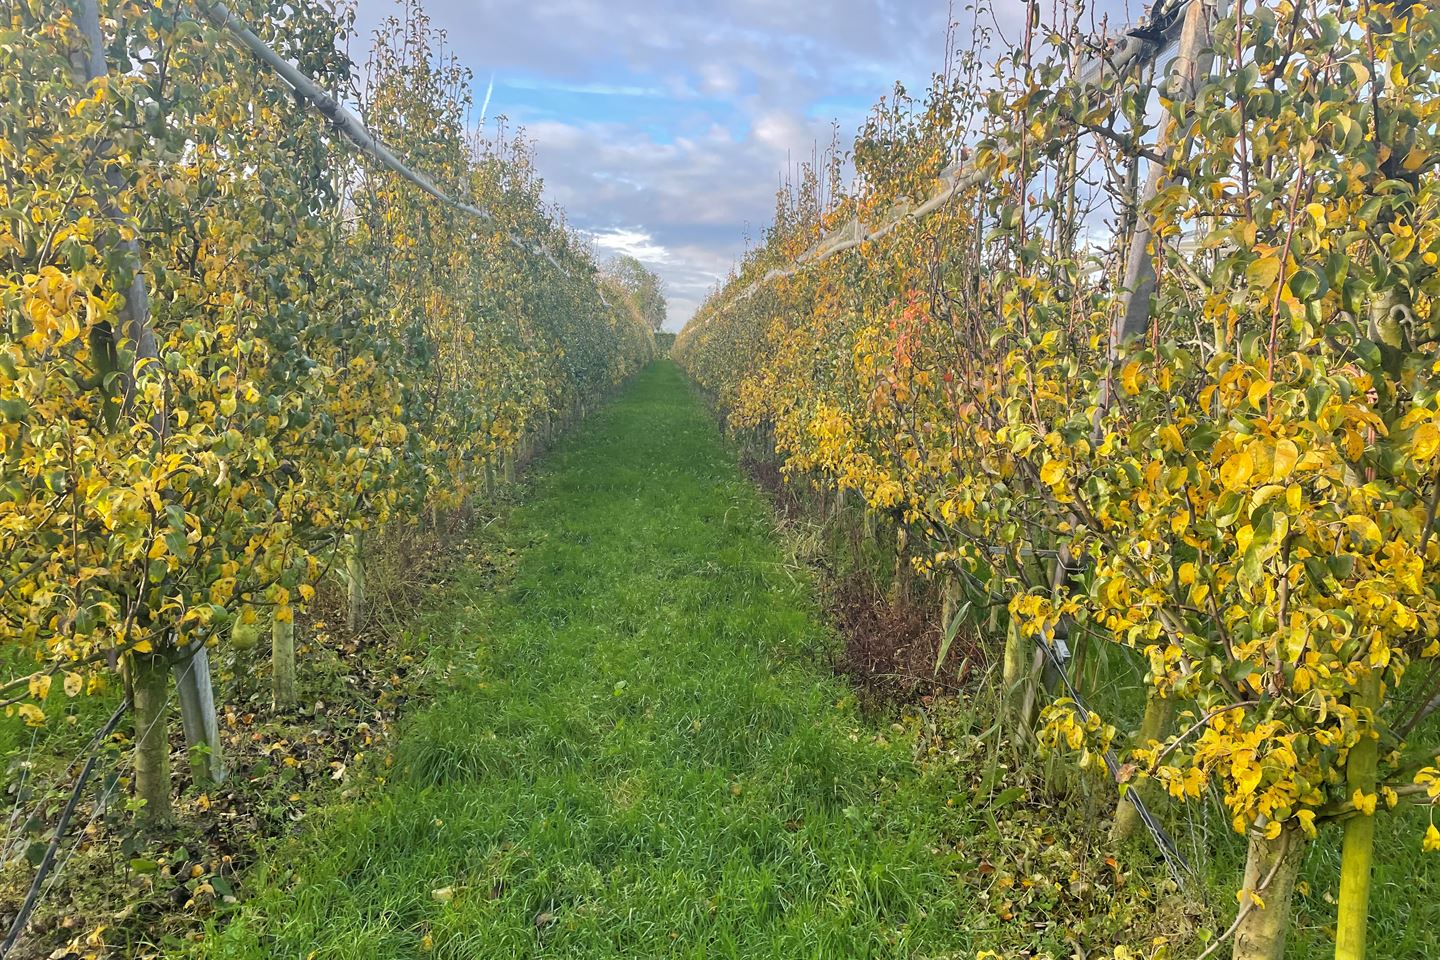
x,y
645,288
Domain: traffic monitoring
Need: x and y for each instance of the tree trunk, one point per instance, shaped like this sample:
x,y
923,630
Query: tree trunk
x,y
1033,683
1271,868
1358,847
1152,727
900,580
150,686
149,680
282,664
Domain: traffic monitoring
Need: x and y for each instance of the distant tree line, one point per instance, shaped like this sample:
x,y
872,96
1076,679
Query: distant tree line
x,y
644,287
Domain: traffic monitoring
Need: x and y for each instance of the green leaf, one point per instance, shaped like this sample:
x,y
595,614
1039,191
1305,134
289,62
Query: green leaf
x,y
1006,797
951,629
1307,284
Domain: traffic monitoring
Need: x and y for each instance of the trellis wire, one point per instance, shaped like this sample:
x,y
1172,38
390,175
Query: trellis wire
x,y
47,862
39,888
1175,862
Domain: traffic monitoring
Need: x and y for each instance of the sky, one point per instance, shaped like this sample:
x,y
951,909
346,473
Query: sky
x,y
663,127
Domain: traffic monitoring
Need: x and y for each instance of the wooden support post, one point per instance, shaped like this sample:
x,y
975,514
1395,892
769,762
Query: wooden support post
x,y
1193,62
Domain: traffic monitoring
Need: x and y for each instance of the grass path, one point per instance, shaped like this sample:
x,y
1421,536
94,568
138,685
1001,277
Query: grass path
x,y
637,753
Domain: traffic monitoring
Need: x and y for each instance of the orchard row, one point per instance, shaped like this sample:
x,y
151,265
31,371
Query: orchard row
x,y
233,345
1157,371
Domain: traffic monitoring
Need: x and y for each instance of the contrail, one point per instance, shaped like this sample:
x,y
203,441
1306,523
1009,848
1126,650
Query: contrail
x,y
485,107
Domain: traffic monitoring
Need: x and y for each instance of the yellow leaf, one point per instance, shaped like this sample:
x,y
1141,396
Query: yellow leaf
x,y
1236,470
1180,522
1425,441
31,714
1264,272
1170,438
1286,455
1257,392
1432,840
1130,377
1366,533
73,684
1052,472
40,686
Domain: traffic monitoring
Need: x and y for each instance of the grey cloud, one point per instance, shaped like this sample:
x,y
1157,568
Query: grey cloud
x,y
694,196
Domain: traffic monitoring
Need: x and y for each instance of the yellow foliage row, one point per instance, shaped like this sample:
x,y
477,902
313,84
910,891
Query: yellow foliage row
x,y
1250,483
334,350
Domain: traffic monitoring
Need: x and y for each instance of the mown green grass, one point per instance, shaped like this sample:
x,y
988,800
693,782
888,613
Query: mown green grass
x,y
639,755
635,751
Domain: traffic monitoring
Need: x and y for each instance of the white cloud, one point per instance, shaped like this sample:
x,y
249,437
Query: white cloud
x,y
632,243
594,89
695,107
718,79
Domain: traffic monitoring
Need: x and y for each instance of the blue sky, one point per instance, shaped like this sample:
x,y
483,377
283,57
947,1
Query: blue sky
x,y
663,126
